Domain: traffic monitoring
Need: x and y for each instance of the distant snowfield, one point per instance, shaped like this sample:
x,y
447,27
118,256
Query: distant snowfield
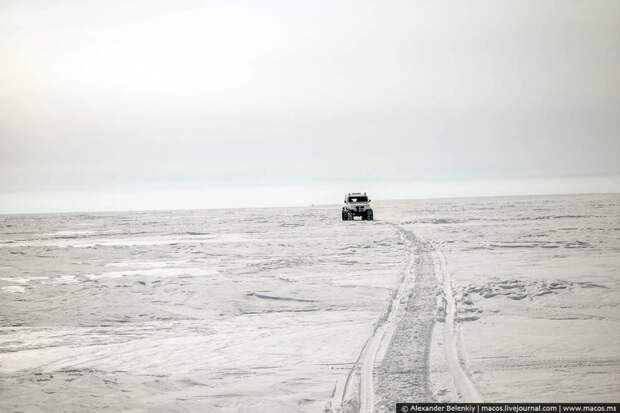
x,y
494,299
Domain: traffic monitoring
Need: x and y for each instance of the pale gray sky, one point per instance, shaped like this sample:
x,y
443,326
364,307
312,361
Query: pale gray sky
x,y
102,101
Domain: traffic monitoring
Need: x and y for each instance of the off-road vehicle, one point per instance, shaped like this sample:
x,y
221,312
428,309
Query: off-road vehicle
x,y
356,205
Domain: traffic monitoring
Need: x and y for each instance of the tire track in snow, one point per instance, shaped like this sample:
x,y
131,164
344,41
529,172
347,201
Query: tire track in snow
x,y
403,372
357,393
394,363
463,383
380,341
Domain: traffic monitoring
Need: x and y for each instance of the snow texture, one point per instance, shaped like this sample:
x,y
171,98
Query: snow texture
x,y
292,309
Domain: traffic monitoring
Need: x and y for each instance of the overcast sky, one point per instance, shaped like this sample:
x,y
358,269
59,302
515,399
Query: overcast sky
x,y
101,99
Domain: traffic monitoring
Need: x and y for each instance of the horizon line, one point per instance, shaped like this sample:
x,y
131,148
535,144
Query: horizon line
x,y
428,198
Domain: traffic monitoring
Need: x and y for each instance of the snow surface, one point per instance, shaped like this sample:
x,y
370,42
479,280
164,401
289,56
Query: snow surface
x,y
494,299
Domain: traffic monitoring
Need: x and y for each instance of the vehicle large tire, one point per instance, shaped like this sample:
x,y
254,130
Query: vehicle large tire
x,y
344,215
369,215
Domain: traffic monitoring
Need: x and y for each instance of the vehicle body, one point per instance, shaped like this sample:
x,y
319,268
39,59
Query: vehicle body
x,y
356,204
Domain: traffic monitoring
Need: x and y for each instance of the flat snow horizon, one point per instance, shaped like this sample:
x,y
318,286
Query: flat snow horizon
x,y
461,299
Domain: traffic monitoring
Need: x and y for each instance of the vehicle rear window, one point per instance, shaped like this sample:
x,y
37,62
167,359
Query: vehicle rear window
x,y
358,199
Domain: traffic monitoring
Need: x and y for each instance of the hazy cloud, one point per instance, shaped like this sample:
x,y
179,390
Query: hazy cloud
x,y
143,94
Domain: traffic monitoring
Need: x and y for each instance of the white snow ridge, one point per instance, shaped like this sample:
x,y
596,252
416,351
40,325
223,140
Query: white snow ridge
x,y
279,310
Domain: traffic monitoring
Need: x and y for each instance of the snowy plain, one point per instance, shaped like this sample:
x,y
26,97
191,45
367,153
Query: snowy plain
x,y
291,309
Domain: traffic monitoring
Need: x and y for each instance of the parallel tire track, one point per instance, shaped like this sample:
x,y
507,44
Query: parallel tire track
x,y
357,394
463,383
394,363
403,374
380,341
